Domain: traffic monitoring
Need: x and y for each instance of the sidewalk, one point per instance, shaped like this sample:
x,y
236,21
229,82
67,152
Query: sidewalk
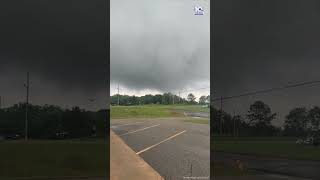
x,y
125,164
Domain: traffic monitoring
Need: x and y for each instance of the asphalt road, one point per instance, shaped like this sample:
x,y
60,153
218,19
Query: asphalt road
x,y
174,148
277,167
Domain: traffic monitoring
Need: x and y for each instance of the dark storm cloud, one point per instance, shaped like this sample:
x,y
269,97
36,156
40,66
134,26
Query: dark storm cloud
x,y
159,45
59,42
263,44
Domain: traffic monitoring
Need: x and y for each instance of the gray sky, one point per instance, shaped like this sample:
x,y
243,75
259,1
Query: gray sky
x,y
61,44
159,46
264,44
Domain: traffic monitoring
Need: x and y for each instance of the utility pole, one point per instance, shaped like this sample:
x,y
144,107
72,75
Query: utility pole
x,y
221,116
234,124
118,96
0,102
179,97
27,103
172,98
238,125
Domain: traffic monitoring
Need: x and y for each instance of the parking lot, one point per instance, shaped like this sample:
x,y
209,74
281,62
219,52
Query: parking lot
x,y
174,148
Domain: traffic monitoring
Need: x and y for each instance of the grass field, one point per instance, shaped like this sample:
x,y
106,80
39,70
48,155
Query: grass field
x,y
272,146
53,158
153,111
192,108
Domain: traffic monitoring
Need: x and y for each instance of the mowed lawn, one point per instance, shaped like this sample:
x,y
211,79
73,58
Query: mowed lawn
x,y
192,108
53,158
264,146
153,111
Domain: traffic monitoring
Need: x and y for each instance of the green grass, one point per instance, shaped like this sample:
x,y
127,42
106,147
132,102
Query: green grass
x,y
141,112
192,108
53,158
282,148
153,111
198,120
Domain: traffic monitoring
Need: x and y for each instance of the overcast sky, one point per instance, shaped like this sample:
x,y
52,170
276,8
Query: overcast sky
x,y
159,46
61,44
261,44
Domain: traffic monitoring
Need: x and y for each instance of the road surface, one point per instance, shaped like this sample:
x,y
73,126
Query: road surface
x,y
277,167
174,148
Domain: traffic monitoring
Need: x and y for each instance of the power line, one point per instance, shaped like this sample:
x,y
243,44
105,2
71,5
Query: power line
x,y
267,90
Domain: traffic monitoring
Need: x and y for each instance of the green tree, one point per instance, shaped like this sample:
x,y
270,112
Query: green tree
x,y
157,99
208,99
167,98
77,123
260,117
202,100
191,98
314,118
133,100
296,122
147,99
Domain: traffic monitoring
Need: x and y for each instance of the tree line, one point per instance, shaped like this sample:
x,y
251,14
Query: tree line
x,y
258,122
165,98
47,120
